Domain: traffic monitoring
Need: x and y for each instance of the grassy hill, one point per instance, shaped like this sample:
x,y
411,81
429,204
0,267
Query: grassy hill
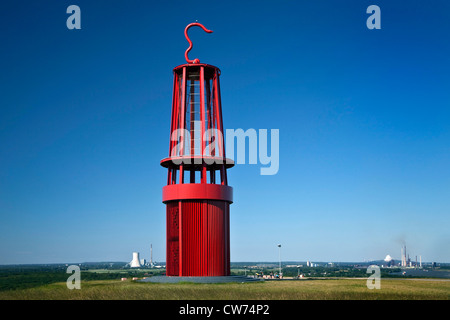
x,y
334,289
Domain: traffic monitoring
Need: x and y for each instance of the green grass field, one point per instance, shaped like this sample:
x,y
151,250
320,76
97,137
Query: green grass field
x,y
334,289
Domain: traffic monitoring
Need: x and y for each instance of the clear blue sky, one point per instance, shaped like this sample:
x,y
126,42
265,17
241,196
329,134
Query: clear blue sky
x,y
363,116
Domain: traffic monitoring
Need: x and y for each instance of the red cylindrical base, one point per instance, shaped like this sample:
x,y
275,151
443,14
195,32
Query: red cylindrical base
x,y
198,238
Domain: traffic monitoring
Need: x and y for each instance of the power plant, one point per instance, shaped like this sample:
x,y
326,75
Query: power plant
x,y
137,262
406,260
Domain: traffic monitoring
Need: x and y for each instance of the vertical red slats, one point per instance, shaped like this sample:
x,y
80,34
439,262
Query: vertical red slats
x,y
172,229
204,238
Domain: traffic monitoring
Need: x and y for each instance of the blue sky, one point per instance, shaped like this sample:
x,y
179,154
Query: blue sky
x,y
363,116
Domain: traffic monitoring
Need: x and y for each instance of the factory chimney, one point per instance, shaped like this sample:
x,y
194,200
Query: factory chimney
x,y
151,255
404,259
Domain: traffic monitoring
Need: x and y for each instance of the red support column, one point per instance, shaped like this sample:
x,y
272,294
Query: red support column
x,y
182,121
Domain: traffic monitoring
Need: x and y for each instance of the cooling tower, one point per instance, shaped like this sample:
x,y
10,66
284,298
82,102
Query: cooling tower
x,y
135,263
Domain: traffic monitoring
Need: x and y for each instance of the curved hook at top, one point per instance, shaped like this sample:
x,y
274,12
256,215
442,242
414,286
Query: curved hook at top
x,y
190,42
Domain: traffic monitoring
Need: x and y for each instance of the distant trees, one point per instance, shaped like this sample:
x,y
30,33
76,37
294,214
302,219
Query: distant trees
x,y
23,277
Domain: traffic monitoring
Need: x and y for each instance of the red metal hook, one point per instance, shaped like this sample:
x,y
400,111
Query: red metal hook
x,y
190,42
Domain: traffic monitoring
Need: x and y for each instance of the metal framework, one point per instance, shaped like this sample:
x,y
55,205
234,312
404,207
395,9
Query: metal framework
x,y
197,195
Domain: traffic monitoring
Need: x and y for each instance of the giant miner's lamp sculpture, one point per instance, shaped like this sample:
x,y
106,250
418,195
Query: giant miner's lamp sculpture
x,y
197,195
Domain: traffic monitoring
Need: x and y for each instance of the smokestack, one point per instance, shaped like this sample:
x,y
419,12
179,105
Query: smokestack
x,y
151,255
403,257
406,261
135,263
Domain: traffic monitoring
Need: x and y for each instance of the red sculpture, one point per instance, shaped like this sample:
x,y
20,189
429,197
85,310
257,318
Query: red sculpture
x,y
197,195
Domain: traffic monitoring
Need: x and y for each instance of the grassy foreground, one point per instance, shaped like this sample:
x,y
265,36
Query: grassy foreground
x,y
342,289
